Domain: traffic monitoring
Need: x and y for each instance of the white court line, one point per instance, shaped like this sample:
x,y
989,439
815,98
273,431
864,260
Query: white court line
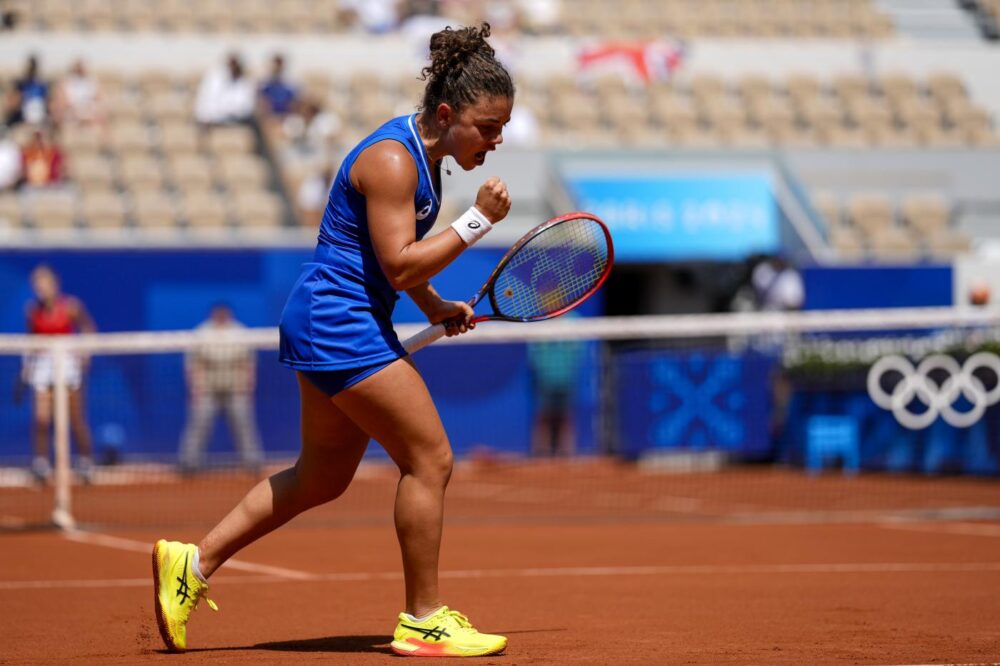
x,y
978,663
560,572
131,545
965,529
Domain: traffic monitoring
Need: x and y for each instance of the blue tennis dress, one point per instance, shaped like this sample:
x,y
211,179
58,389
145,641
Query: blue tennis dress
x,y
339,314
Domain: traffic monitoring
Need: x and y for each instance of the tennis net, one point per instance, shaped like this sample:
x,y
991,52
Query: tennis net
x,y
813,416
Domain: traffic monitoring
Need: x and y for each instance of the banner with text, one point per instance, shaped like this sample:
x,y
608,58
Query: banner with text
x,y
657,217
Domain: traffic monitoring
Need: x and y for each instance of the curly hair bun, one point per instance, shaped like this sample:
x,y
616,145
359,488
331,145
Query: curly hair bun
x,y
463,65
450,48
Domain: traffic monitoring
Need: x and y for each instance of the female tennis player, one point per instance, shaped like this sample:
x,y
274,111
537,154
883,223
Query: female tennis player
x,y
355,380
52,312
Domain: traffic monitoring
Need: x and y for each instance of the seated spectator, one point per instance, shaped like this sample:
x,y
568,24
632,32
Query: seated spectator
x,y
28,100
278,96
523,129
42,160
374,16
225,95
313,194
312,132
419,19
10,161
77,98
539,17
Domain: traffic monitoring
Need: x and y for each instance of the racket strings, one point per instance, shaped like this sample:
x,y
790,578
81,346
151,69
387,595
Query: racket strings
x,y
553,270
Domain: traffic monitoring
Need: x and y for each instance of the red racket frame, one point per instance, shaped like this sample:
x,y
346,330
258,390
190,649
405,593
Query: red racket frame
x,y
436,331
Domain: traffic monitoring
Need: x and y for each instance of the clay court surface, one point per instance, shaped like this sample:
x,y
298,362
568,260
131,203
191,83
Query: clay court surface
x,y
602,566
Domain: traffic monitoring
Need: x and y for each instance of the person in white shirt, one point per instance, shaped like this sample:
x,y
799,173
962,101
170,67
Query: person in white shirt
x,y
78,97
225,95
10,161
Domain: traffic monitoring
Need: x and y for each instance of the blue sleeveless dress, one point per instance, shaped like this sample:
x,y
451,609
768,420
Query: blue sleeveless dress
x,y
337,323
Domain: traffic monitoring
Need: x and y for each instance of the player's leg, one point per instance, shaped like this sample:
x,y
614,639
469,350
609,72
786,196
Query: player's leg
x,y
332,448
41,427
395,408
78,423
81,435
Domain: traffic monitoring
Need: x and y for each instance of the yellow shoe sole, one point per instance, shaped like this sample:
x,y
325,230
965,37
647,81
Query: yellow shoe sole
x,y
161,620
414,647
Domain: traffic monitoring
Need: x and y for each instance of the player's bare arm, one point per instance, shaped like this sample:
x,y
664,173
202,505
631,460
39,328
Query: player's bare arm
x,y
386,175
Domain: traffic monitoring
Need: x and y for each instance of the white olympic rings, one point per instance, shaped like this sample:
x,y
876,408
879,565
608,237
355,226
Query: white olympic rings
x,y
938,398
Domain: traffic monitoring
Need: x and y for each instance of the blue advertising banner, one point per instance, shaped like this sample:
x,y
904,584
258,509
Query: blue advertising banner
x,y
656,217
693,400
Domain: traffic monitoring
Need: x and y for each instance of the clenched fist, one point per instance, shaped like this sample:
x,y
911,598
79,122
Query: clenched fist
x,y
493,200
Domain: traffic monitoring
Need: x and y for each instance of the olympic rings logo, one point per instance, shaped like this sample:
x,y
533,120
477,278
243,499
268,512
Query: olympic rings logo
x,y
940,398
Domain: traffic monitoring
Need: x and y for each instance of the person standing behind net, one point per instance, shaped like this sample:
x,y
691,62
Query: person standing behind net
x,y
53,313
356,381
220,376
555,374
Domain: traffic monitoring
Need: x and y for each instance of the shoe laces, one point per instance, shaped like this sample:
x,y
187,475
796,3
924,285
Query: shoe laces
x,y
461,619
202,593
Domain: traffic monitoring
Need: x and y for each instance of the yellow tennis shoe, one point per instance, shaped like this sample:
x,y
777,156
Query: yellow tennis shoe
x,y
176,590
446,633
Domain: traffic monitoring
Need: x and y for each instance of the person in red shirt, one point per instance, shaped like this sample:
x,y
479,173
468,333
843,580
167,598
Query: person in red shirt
x,y
42,161
51,312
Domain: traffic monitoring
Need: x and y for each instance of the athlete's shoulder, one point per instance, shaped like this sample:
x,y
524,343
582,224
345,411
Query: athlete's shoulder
x,y
388,162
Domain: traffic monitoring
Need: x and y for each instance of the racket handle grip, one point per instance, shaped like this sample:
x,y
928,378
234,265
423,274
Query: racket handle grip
x,y
425,337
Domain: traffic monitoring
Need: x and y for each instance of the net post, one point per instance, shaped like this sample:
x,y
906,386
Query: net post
x,y
62,514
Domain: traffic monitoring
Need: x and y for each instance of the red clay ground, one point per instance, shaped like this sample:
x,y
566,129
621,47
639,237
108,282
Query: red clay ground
x,y
595,593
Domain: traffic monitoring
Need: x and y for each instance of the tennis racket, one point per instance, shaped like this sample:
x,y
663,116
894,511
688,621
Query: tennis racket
x,y
548,272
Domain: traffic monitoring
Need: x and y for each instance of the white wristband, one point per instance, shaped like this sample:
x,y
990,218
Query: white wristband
x,y
471,226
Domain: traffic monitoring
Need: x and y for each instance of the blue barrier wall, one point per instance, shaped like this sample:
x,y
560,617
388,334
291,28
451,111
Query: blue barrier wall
x,y
882,443
140,401
693,400
853,287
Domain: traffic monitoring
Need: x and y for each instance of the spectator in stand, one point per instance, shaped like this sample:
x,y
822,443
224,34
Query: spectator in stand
x,y
312,195
220,376
225,95
77,98
523,128
10,161
539,17
373,16
278,97
28,100
419,19
52,312
41,160
312,132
